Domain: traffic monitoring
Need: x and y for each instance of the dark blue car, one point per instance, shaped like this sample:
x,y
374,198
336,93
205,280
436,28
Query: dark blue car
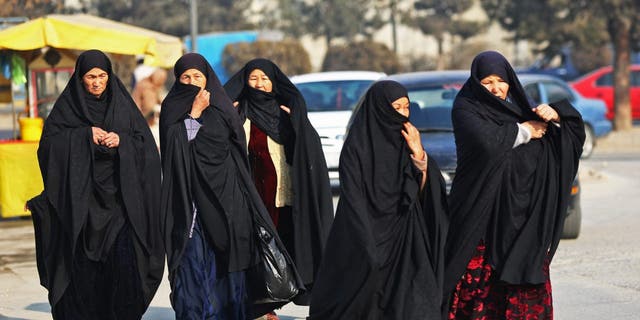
x,y
549,89
432,94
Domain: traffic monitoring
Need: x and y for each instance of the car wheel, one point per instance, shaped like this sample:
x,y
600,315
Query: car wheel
x,y
572,223
589,142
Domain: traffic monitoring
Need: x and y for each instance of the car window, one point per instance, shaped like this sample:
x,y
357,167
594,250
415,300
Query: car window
x,y
333,95
533,92
556,92
635,78
430,108
606,80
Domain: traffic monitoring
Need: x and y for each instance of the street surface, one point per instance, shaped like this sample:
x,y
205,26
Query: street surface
x,y
596,276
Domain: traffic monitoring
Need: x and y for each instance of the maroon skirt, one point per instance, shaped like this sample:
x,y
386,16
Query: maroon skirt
x,y
479,295
266,182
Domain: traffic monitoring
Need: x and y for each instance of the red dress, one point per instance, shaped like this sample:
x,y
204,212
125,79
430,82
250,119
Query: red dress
x,y
480,296
265,179
263,171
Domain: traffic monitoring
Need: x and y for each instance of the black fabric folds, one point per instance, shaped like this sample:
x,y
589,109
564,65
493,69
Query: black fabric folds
x,y
91,191
383,258
312,204
211,171
205,171
513,198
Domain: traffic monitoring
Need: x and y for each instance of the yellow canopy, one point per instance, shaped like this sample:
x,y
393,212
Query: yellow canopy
x,y
84,32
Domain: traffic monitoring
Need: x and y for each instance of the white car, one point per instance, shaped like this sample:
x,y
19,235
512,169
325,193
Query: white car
x,y
330,98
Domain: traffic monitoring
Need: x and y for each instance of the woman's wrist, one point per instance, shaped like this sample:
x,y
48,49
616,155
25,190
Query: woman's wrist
x,y
195,116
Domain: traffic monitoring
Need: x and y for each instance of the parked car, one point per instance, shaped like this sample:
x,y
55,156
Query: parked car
x,y
550,89
598,84
559,64
331,97
432,94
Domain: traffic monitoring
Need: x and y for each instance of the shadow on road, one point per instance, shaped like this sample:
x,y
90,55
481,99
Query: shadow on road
x,y
40,307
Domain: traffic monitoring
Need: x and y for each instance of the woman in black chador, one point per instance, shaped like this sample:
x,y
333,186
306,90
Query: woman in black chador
x,y
286,160
209,202
383,258
97,231
508,201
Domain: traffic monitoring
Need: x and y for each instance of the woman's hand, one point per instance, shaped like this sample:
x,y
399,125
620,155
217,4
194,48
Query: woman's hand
x,y
537,128
200,103
412,136
98,135
546,113
286,109
111,140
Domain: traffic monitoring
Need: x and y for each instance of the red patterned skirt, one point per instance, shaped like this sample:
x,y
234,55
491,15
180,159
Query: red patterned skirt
x,y
480,296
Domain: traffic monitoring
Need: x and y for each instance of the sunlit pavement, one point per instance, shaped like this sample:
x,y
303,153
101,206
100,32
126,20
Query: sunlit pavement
x,y
22,297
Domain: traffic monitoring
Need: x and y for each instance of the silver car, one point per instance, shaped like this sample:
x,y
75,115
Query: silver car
x,y
331,97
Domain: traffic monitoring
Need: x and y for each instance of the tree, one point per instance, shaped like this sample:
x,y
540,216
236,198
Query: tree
x,y
288,16
362,55
585,25
552,27
331,19
172,17
439,18
29,8
289,55
621,18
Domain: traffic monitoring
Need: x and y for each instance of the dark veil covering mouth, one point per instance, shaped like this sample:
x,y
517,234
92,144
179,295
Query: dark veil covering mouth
x,y
211,171
515,199
313,205
383,257
188,166
181,96
263,108
83,191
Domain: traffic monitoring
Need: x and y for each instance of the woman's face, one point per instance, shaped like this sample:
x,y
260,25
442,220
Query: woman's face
x,y
95,81
402,106
260,81
496,85
193,77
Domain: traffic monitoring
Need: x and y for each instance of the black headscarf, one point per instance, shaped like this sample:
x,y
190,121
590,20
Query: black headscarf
x,y
199,171
313,205
515,199
181,96
383,258
91,191
263,108
211,171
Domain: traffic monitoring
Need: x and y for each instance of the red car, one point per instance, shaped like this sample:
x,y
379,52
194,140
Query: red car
x,y
598,84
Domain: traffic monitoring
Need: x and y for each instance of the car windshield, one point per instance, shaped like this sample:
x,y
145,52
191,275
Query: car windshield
x,y
341,95
430,108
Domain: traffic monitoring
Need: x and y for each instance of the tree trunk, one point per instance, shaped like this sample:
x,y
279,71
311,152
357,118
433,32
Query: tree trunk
x,y
440,63
619,31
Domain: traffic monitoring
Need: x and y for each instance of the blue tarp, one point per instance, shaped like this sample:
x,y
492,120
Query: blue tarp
x,y
211,46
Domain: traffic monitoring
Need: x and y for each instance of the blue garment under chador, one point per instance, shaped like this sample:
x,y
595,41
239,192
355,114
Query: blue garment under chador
x,y
196,293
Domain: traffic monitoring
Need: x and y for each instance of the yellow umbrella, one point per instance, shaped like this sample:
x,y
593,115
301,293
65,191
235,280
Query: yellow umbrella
x,y
83,32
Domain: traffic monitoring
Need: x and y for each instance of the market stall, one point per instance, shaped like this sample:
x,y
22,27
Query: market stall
x,y
40,55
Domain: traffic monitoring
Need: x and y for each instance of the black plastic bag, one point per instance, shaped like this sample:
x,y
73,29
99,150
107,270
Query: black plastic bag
x,y
273,279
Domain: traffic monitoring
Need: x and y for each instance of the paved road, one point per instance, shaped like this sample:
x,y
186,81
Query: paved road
x,y
594,277
597,276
